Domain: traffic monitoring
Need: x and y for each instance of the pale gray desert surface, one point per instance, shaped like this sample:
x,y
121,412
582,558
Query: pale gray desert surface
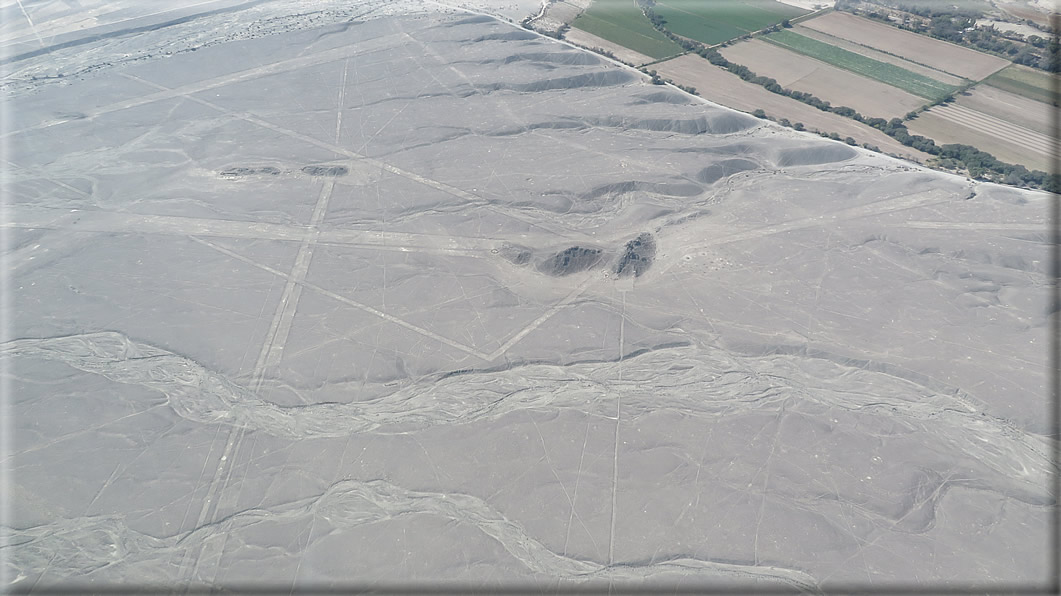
x,y
391,292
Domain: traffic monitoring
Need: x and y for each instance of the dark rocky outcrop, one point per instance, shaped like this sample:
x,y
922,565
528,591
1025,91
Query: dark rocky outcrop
x,y
241,171
637,256
326,170
571,260
515,254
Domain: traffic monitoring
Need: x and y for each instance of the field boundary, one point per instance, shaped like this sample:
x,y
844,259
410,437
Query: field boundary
x,y
626,29
894,55
731,24
874,69
814,14
1001,80
861,21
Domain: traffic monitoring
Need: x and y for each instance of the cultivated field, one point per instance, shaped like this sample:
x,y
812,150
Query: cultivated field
x,y
622,22
925,50
588,40
888,74
879,56
722,87
1022,80
1006,141
835,85
1031,114
721,20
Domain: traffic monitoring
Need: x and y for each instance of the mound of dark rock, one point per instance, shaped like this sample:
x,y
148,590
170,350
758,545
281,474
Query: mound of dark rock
x,y
515,254
326,170
637,256
239,172
571,260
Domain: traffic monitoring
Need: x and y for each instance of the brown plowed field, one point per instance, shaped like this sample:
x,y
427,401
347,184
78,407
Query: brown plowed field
x,y
1031,114
835,85
850,46
922,49
727,89
1005,141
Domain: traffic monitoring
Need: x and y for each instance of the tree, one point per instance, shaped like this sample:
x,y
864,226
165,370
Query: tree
x,y
760,113
879,123
787,24
798,126
850,141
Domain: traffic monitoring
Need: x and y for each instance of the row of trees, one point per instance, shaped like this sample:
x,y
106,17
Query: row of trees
x,y
760,113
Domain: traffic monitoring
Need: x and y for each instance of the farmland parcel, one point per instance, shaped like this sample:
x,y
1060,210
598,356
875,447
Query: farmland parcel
x,y
1005,141
622,22
879,56
1031,83
931,52
1011,127
835,85
722,20
1031,114
888,74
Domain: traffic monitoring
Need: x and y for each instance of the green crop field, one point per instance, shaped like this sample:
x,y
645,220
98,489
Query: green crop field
x,y
890,74
623,23
1029,83
716,21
